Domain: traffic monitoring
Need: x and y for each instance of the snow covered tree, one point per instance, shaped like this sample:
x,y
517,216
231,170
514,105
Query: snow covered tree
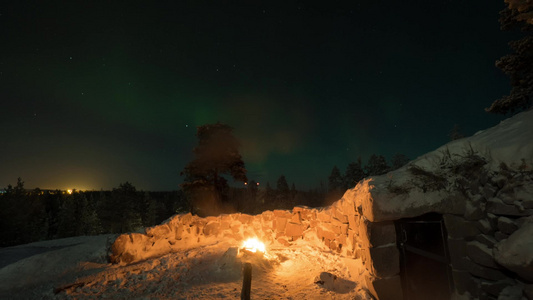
x,y
217,153
376,165
518,65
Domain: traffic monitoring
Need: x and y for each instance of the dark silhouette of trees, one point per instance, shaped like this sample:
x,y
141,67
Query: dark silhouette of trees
x,y
282,190
455,133
294,192
518,65
268,196
335,186
376,165
148,210
354,173
77,216
335,181
22,216
217,154
34,215
398,160
121,211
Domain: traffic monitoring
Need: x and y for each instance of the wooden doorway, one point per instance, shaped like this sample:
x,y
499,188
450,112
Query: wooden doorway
x,y
424,259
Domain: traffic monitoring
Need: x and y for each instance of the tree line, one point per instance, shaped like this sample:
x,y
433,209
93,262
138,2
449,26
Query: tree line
x,y
35,215
355,171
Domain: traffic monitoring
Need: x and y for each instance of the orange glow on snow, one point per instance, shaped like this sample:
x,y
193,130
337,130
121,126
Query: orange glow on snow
x,y
253,245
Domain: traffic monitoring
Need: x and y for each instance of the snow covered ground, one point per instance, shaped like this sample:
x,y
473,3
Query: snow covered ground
x,y
214,271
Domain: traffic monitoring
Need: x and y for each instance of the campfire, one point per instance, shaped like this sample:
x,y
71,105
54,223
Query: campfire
x,y
254,246
251,248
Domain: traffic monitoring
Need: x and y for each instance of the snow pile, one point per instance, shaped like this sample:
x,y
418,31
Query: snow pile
x,y
35,269
210,271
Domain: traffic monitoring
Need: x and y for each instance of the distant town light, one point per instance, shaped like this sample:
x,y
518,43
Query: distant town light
x,y
69,192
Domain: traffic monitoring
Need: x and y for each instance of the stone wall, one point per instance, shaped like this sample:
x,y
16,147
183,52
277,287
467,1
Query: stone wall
x,y
498,211
341,227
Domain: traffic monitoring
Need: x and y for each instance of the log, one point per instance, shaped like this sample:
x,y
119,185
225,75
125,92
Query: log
x,y
246,281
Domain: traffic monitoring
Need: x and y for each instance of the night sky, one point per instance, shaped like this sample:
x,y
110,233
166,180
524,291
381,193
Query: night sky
x,y
96,93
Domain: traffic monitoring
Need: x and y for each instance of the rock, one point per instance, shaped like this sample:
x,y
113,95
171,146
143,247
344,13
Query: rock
x,y
159,231
506,225
474,187
457,227
266,215
499,180
494,288
480,254
246,219
474,211
334,226
129,248
323,216
485,226
520,222
525,192
280,223
513,292
500,236
384,261
340,216
493,220
377,234
457,250
528,203
528,291
296,219
212,228
488,240
506,194
389,288
484,272
488,191
294,230
283,241
324,233
516,252
497,207
464,282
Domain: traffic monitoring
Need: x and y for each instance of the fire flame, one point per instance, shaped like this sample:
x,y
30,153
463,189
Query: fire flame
x,y
253,245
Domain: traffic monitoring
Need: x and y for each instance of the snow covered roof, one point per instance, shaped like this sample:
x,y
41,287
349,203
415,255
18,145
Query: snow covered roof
x,y
398,195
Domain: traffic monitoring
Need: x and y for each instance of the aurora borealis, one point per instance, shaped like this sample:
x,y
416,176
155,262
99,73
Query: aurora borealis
x,y
99,93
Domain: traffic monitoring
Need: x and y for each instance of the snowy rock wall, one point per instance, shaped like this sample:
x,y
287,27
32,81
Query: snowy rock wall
x,y
483,187
340,227
491,243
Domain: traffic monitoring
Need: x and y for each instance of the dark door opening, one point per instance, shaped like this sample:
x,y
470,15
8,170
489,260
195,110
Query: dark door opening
x,y
424,258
